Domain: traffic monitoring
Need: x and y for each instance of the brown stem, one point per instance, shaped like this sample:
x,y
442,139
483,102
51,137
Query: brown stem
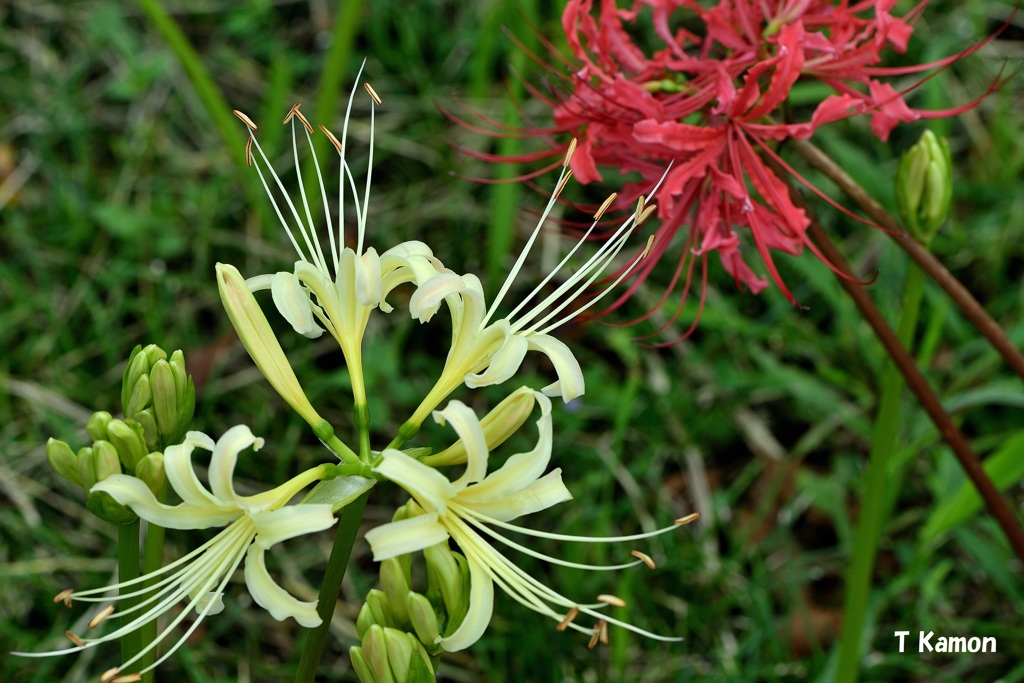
x,y
997,507
924,258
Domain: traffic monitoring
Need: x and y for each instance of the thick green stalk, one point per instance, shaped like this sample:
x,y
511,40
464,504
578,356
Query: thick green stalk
x,y
872,498
128,569
348,527
152,560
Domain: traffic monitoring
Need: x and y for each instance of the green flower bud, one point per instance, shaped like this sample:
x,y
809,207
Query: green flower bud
x,y
395,582
129,441
103,505
409,662
448,576
96,427
147,419
375,652
141,397
924,185
424,619
150,470
159,394
63,460
97,463
355,655
376,610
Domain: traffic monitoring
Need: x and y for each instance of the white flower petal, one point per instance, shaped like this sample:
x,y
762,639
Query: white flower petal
x,y
540,495
367,281
520,470
429,487
405,536
428,296
225,455
289,522
292,301
132,492
280,603
570,382
182,477
465,423
258,283
503,365
200,440
481,607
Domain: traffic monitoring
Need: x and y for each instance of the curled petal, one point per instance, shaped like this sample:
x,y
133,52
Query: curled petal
x,y
225,455
520,470
503,365
429,295
570,382
292,301
539,495
135,494
291,521
465,423
182,476
430,488
405,536
481,606
280,603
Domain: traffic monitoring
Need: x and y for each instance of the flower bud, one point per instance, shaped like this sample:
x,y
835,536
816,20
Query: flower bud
x,y
159,394
423,619
924,185
63,460
97,463
406,656
498,425
375,653
395,583
448,576
129,441
150,470
362,669
376,610
258,339
96,427
147,419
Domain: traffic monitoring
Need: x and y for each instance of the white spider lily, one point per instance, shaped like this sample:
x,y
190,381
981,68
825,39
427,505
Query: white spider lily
x,y
348,283
253,524
488,350
467,508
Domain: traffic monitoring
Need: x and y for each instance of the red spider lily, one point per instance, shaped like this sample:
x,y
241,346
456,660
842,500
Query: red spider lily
x,y
713,99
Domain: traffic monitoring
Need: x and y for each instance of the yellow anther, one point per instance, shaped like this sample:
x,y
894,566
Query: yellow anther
x,y
74,639
646,214
613,600
98,619
605,205
109,674
561,184
647,249
245,119
692,517
567,619
569,152
643,557
64,596
373,93
330,136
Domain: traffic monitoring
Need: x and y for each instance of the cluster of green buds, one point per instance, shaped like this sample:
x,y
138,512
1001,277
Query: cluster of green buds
x,y
158,394
400,628
924,186
158,399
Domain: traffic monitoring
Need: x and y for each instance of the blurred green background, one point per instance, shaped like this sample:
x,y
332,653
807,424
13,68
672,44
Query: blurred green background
x,y
122,183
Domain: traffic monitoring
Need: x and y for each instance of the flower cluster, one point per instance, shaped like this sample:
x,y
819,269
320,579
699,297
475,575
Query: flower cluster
x,y
337,288
707,86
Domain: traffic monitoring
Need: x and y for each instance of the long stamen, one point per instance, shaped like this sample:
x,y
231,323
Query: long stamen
x,y
342,146
308,228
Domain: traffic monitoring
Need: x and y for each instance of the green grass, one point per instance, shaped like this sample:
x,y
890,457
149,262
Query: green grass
x,y
761,421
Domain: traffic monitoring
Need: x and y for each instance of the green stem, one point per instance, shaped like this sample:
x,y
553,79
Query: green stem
x,y
313,649
873,510
152,560
128,569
